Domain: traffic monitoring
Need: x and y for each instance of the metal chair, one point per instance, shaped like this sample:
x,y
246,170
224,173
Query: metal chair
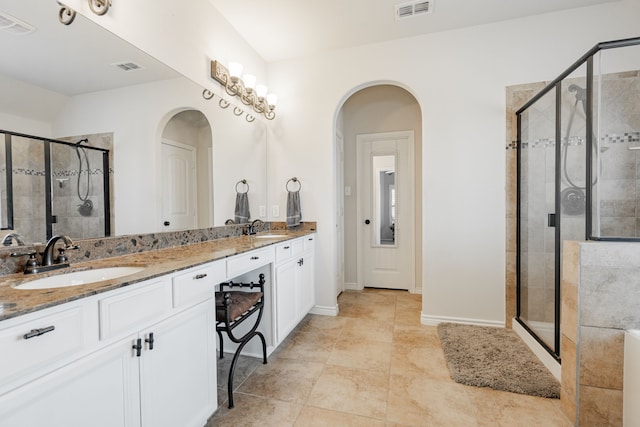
x,y
232,309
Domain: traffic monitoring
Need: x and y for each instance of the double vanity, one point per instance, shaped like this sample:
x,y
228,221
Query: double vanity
x,y
130,340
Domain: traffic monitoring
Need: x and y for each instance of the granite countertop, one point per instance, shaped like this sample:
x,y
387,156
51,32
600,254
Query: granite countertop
x,y
16,302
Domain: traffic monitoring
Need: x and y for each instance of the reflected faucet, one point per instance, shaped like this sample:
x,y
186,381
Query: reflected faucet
x,y
9,238
251,229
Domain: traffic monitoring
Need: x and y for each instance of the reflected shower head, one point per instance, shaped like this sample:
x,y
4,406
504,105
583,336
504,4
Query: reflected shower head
x,y
82,140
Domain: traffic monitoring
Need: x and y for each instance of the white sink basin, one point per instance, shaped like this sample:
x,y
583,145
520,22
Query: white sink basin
x,y
77,278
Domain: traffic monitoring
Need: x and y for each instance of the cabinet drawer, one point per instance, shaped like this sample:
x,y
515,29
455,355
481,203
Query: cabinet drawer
x,y
297,247
40,342
284,251
249,261
197,285
134,309
309,242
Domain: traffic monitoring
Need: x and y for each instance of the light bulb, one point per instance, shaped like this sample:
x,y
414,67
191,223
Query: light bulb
x,y
261,91
235,70
272,100
249,82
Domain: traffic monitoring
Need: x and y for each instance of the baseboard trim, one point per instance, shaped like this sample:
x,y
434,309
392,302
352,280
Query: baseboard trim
x,y
547,360
428,320
351,287
325,310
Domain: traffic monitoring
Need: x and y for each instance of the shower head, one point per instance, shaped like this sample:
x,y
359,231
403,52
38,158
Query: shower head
x,y
581,95
81,141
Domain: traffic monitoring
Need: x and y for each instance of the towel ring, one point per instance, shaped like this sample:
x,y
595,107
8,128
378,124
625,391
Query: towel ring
x,y
242,181
294,179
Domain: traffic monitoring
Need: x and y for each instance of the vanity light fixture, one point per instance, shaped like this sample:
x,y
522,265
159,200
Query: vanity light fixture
x,y
66,15
245,88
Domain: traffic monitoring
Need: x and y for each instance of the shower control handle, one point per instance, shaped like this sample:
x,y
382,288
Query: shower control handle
x,y
366,221
167,223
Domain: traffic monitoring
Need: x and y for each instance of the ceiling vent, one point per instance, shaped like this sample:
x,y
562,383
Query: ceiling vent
x,y
128,66
13,25
414,8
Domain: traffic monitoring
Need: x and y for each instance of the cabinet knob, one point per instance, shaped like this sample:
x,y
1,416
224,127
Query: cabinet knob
x,y
150,341
166,223
138,347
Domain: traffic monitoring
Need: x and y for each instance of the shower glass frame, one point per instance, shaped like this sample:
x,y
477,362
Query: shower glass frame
x,y
49,217
591,173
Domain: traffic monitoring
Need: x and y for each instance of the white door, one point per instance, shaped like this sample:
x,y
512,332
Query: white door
x,y
286,299
178,186
386,210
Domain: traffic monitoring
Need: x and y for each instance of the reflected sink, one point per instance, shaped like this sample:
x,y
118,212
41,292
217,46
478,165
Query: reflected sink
x,y
78,278
269,236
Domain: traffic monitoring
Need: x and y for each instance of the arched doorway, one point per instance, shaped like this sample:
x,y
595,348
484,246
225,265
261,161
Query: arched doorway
x,y
383,109
186,172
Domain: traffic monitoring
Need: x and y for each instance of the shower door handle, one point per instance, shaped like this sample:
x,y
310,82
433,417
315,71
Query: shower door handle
x,y
551,220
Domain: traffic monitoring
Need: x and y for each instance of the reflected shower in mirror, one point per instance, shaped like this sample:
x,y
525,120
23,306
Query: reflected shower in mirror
x,y
56,187
384,199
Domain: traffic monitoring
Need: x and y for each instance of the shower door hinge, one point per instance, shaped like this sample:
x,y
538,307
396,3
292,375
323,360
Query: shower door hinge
x,y
551,220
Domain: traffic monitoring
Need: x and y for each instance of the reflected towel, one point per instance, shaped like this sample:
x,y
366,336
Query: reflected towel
x,y
242,208
294,215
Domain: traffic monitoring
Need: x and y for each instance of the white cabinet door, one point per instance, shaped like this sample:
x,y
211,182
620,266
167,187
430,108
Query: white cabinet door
x,y
100,390
306,288
286,299
178,375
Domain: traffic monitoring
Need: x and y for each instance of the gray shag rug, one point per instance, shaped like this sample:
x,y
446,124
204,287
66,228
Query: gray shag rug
x,y
496,358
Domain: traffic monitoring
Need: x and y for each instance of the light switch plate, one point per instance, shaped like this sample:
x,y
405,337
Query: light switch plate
x,y
347,190
275,211
263,211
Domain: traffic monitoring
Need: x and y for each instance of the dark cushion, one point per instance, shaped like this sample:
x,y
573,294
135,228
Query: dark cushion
x,y
239,302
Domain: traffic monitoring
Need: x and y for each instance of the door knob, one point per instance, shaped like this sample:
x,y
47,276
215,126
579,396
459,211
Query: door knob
x,y
366,221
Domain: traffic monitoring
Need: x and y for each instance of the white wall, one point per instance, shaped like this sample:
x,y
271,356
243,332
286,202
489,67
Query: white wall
x,y
185,35
459,79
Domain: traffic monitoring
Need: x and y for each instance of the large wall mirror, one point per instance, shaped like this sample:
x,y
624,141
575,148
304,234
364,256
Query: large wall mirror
x,y
81,81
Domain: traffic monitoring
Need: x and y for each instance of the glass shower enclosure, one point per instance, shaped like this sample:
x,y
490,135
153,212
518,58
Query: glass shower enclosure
x,y
578,174
50,187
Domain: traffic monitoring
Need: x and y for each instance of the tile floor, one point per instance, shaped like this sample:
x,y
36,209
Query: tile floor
x,y
373,365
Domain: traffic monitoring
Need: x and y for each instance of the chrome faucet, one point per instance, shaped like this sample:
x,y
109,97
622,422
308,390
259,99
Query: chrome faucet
x,y
48,263
251,229
9,238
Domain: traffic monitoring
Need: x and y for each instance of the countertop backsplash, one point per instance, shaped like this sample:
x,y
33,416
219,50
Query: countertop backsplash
x,y
107,247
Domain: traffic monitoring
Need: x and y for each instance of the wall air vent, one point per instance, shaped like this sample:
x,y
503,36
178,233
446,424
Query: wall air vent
x,y
13,25
128,66
414,8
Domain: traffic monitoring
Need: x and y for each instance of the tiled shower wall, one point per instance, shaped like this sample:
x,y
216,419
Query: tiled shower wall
x,y
29,188
66,202
516,96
